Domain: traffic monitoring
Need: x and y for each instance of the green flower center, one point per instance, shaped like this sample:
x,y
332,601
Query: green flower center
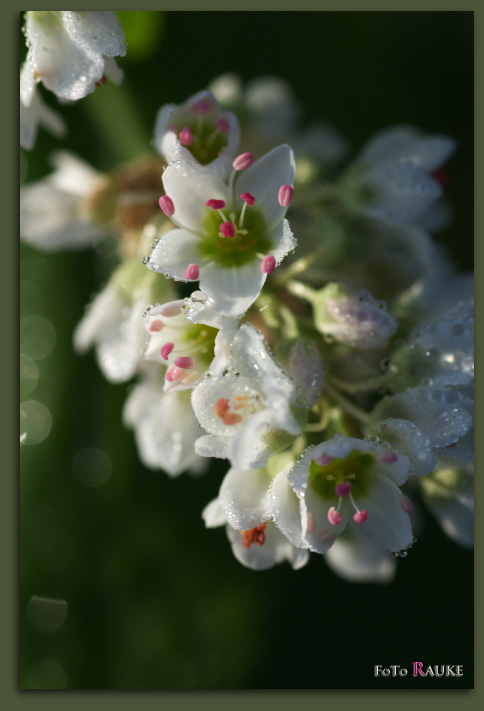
x,y
356,469
208,140
250,242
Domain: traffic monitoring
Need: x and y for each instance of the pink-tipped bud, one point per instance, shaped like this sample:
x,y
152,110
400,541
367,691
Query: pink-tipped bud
x,y
286,193
388,457
173,373
268,264
216,204
243,161
186,136
201,107
360,516
223,125
334,517
156,325
192,272
344,489
185,362
228,229
167,205
166,350
248,198
324,460
405,503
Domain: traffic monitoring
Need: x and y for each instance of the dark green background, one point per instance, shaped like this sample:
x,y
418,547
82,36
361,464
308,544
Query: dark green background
x,y
155,600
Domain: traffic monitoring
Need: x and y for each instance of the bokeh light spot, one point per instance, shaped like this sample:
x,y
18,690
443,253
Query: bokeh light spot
x,y
46,614
91,466
37,337
35,421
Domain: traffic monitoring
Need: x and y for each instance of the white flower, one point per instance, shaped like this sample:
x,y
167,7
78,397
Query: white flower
x,y
165,428
113,322
228,243
357,560
252,410
34,113
52,210
354,318
258,548
391,179
198,131
341,482
70,52
184,335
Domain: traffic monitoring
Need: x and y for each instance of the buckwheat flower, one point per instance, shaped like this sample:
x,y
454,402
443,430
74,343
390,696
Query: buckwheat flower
x,y
198,131
165,427
350,317
53,211
259,548
70,52
189,341
113,322
34,112
345,482
225,233
252,410
357,560
391,179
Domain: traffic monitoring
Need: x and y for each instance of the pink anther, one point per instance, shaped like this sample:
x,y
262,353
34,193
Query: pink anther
x,y
268,264
286,193
243,161
344,489
166,350
248,198
228,229
185,362
216,204
360,516
167,205
192,272
156,325
387,457
223,125
173,373
201,107
334,517
186,136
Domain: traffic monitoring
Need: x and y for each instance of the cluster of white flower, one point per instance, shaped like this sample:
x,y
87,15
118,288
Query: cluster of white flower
x,y
330,376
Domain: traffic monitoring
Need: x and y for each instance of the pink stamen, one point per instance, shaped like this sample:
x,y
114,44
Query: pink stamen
x,y
185,362
223,125
343,489
243,161
167,205
406,504
334,517
324,460
222,407
216,204
156,325
311,523
231,418
360,516
248,198
387,457
186,136
286,193
192,272
173,373
201,107
228,229
268,264
166,350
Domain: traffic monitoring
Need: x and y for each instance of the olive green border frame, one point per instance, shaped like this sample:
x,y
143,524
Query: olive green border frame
x,y
10,695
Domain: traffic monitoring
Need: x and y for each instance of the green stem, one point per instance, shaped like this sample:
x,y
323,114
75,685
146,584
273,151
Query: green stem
x,y
347,405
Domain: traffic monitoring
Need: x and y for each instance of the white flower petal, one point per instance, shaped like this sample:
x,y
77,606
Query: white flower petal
x,y
285,244
285,509
405,437
404,142
252,445
264,179
112,71
387,524
358,561
190,186
98,31
213,514
275,550
232,291
212,446
244,497
453,506
318,533
173,253
38,113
